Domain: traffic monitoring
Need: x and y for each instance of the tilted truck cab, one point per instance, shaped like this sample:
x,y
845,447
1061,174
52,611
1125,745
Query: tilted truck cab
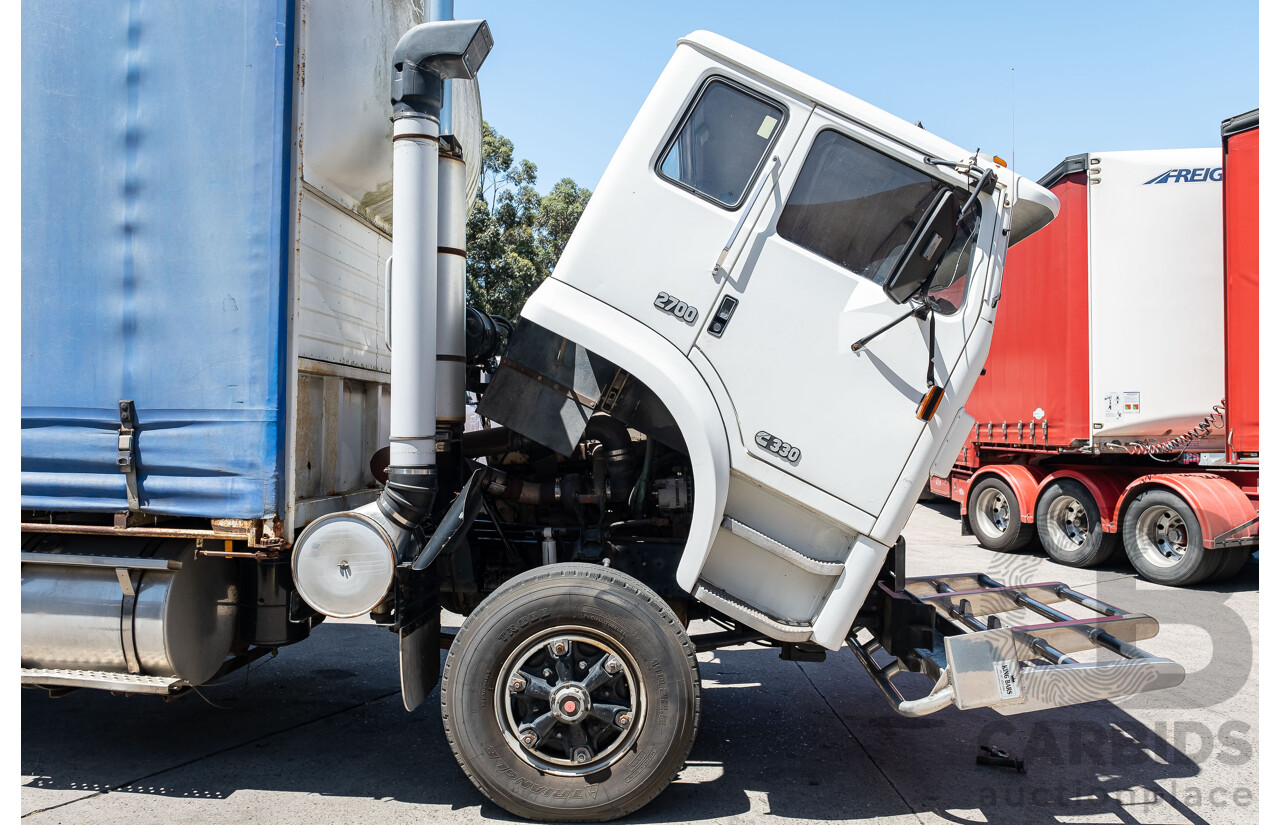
x,y
723,406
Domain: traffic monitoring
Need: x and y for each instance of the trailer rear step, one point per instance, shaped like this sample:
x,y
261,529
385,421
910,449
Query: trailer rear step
x,y
102,680
976,661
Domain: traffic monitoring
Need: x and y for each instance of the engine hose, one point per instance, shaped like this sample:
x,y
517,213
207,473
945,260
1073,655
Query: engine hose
x,y
636,501
493,441
500,484
619,454
1217,419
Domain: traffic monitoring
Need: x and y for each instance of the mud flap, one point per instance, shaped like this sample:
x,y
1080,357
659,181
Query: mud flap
x,y
418,609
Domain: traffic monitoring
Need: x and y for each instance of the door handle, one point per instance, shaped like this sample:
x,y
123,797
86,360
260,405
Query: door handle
x,y
719,269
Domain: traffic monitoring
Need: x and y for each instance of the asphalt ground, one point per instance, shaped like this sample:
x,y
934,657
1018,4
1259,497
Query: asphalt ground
x,y
318,734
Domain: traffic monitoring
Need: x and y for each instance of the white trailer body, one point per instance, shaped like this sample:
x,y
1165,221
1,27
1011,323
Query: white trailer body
x,y
1155,306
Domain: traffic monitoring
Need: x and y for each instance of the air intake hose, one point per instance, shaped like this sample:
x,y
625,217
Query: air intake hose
x,y
409,495
620,458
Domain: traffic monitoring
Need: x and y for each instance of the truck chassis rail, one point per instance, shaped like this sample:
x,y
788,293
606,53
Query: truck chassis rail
x,y
976,661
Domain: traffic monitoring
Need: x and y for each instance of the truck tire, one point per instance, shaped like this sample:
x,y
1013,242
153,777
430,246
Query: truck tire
x,y
1162,538
1070,526
571,694
995,518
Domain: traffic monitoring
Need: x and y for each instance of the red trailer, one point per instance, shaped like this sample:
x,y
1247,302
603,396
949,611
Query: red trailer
x,y
1118,411
1240,248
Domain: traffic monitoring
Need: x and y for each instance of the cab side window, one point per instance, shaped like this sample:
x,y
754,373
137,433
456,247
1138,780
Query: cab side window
x,y
857,207
722,143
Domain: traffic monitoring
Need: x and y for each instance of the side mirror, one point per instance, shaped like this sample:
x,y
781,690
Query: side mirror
x,y
923,251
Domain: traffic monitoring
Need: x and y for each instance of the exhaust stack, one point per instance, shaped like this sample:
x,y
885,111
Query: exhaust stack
x,y
327,558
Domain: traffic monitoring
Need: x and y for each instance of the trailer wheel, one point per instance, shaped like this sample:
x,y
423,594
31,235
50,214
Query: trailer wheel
x,y
995,517
1163,540
1070,526
571,694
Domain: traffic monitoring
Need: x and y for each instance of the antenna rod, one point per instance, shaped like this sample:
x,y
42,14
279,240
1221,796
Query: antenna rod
x,y
1013,120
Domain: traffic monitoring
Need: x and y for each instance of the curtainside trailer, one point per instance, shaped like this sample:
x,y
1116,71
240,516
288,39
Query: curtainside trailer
x,y
1117,412
222,335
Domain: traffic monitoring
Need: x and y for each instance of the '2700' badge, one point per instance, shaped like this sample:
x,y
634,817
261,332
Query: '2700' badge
x,y
787,452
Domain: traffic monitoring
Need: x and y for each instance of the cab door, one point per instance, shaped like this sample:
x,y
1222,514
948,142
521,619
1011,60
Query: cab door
x,y
807,285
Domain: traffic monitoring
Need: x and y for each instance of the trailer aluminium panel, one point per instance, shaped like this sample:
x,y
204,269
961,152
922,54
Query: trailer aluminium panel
x,y
638,468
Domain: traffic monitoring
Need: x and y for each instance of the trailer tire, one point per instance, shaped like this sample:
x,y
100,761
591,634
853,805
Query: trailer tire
x,y
540,746
1070,526
995,518
1163,540
1232,562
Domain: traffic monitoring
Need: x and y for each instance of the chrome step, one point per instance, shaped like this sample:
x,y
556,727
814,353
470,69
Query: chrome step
x,y
1020,668
782,551
779,629
101,680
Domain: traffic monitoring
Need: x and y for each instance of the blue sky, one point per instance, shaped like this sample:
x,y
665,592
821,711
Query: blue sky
x,y
565,78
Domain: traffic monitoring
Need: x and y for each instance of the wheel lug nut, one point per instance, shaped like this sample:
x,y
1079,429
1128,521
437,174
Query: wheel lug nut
x,y
581,755
546,673
612,665
528,738
560,648
582,665
623,720
517,684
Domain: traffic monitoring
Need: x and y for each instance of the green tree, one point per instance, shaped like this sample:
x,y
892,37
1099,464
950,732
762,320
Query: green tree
x,y
514,235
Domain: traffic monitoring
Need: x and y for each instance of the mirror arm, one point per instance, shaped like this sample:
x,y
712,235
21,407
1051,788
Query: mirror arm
x,y
917,311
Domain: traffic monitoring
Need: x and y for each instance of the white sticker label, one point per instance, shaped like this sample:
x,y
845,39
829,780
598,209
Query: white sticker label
x,y
1132,403
1007,679
1038,414
1112,411
766,127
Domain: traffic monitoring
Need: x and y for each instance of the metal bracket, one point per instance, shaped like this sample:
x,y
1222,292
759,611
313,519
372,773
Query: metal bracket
x,y
611,394
126,453
129,581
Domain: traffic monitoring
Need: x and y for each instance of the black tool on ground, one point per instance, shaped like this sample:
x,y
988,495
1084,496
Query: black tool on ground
x,y
998,758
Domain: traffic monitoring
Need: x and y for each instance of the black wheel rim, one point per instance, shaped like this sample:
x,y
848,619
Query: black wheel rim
x,y
569,700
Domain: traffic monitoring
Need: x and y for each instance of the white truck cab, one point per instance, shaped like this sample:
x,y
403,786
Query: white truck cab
x,y
735,250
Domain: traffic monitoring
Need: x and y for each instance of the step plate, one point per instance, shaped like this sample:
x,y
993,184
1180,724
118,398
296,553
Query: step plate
x,y
100,680
782,551
756,620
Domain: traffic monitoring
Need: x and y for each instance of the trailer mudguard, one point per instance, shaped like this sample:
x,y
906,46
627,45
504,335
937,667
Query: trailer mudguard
x,y
655,362
1219,505
1022,479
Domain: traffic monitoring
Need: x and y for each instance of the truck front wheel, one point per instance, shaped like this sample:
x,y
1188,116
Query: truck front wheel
x,y
1070,526
1163,540
995,518
571,694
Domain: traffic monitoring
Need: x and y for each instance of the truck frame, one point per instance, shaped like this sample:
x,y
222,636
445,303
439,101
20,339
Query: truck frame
x,y
645,459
